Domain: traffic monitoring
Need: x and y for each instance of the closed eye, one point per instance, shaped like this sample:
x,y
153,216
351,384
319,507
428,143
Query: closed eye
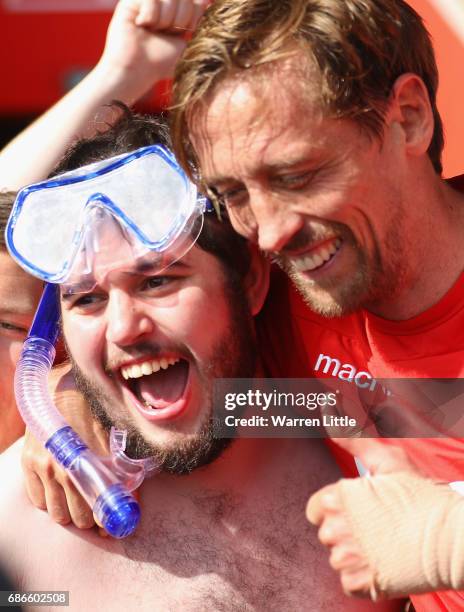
x,y
7,326
230,197
293,181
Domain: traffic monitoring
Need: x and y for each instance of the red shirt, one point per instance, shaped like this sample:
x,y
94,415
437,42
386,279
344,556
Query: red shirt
x,y
297,343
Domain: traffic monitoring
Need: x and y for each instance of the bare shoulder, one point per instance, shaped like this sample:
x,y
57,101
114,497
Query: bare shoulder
x,y
32,546
11,483
15,512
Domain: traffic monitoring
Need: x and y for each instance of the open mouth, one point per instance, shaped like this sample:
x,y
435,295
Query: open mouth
x,y
318,257
157,384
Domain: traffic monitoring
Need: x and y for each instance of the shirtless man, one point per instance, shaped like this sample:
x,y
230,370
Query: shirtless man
x,y
223,525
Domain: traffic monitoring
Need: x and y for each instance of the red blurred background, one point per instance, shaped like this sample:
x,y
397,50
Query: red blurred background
x,y
44,52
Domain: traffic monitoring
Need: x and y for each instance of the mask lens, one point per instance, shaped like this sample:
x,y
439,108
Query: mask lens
x,y
146,191
45,243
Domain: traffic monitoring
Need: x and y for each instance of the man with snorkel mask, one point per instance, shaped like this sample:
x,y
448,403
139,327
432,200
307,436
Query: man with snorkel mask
x,y
148,328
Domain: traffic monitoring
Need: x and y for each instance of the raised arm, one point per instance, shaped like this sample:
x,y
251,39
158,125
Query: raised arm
x,y
143,43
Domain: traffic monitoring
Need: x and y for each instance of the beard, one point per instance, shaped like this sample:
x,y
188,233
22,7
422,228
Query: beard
x,y
233,356
371,280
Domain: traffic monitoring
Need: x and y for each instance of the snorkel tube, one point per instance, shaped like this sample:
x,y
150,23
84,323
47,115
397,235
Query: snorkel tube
x,y
104,482
141,199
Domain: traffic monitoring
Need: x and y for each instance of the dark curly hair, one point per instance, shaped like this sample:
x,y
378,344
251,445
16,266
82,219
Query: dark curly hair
x,y
129,132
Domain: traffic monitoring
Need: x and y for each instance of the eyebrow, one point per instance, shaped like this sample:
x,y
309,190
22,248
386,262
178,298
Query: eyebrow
x,y
145,266
299,161
141,268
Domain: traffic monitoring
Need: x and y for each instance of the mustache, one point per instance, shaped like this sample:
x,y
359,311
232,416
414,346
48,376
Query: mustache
x,y
144,349
308,237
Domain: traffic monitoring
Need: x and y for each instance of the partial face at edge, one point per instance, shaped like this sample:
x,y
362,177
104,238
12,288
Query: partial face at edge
x,y
19,295
146,350
318,192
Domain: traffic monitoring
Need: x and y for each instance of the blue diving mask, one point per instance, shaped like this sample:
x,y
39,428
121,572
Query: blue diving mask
x,y
54,229
135,209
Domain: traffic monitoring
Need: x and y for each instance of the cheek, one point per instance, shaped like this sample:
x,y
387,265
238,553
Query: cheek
x,y
355,207
243,221
83,339
200,318
341,195
10,350
15,352
324,202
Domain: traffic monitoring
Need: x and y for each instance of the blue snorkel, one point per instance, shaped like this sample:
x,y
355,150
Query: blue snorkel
x,y
104,482
145,200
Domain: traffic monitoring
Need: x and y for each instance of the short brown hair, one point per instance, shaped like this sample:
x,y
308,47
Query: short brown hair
x,y
360,48
7,199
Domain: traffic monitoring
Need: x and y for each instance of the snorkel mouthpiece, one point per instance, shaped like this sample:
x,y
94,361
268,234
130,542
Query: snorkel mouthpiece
x,y
104,482
112,504
118,511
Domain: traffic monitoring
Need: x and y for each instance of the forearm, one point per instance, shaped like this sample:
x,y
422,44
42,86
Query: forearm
x,y
411,530
144,40
32,154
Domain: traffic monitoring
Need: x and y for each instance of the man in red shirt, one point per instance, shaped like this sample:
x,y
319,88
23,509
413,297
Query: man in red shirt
x,y
315,125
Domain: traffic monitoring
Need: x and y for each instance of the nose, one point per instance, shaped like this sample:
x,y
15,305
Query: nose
x,y
276,224
127,322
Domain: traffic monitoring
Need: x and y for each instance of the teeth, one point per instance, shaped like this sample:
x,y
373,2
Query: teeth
x,y
311,262
136,371
325,254
147,367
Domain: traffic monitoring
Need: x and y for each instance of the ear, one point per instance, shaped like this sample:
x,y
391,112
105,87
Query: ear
x,y
256,282
410,107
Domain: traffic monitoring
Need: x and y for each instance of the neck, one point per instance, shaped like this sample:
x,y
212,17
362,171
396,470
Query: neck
x,y
247,466
435,254
231,470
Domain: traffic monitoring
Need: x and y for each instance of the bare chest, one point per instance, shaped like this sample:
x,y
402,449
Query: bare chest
x,y
266,559
201,551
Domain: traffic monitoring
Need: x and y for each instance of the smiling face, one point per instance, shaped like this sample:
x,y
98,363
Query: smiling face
x,y
19,296
319,192
147,348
